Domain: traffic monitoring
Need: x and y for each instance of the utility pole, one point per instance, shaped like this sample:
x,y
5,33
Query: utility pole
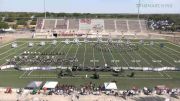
x,y
139,4
44,8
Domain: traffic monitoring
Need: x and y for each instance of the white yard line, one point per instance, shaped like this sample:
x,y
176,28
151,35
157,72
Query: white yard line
x,y
36,50
55,47
161,74
123,58
13,51
22,76
173,44
17,55
112,56
133,59
152,57
162,58
94,58
31,70
76,53
167,75
163,53
9,50
170,53
173,50
44,49
68,51
103,56
84,56
6,44
61,48
143,58
54,50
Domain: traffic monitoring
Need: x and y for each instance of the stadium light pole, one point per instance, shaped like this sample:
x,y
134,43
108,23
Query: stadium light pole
x,y
45,8
139,8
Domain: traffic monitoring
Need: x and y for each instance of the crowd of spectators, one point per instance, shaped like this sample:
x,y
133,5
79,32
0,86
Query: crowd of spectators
x,y
164,25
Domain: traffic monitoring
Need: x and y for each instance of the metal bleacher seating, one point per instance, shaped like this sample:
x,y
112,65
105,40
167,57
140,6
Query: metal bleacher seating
x,y
109,25
121,25
49,24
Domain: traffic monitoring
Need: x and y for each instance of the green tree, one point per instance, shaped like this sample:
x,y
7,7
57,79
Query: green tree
x,y
0,18
96,75
21,22
132,74
69,72
3,25
33,23
11,19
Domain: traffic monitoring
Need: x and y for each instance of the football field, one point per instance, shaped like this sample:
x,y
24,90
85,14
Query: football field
x,y
149,53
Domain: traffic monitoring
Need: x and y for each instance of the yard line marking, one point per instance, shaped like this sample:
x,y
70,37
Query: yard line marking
x,y
30,72
17,55
164,53
68,51
37,50
133,59
112,56
8,50
54,50
122,58
103,56
162,58
151,56
31,49
172,49
15,52
75,54
28,63
21,76
158,63
143,58
67,54
76,51
167,75
94,58
44,49
170,53
173,44
84,56
6,44
161,74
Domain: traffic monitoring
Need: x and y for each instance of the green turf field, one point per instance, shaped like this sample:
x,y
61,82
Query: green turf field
x,y
89,56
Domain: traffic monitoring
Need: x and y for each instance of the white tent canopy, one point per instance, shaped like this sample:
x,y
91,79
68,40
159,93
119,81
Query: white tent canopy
x,y
50,84
110,86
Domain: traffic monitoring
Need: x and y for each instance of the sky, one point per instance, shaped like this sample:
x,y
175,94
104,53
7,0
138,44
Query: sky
x,y
92,6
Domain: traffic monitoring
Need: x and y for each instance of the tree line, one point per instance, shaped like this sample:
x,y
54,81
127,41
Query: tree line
x,y
22,18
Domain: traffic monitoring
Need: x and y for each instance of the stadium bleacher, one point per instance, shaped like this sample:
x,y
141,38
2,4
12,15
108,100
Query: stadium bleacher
x,y
143,24
39,24
109,25
121,25
73,24
49,24
61,24
134,26
90,26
